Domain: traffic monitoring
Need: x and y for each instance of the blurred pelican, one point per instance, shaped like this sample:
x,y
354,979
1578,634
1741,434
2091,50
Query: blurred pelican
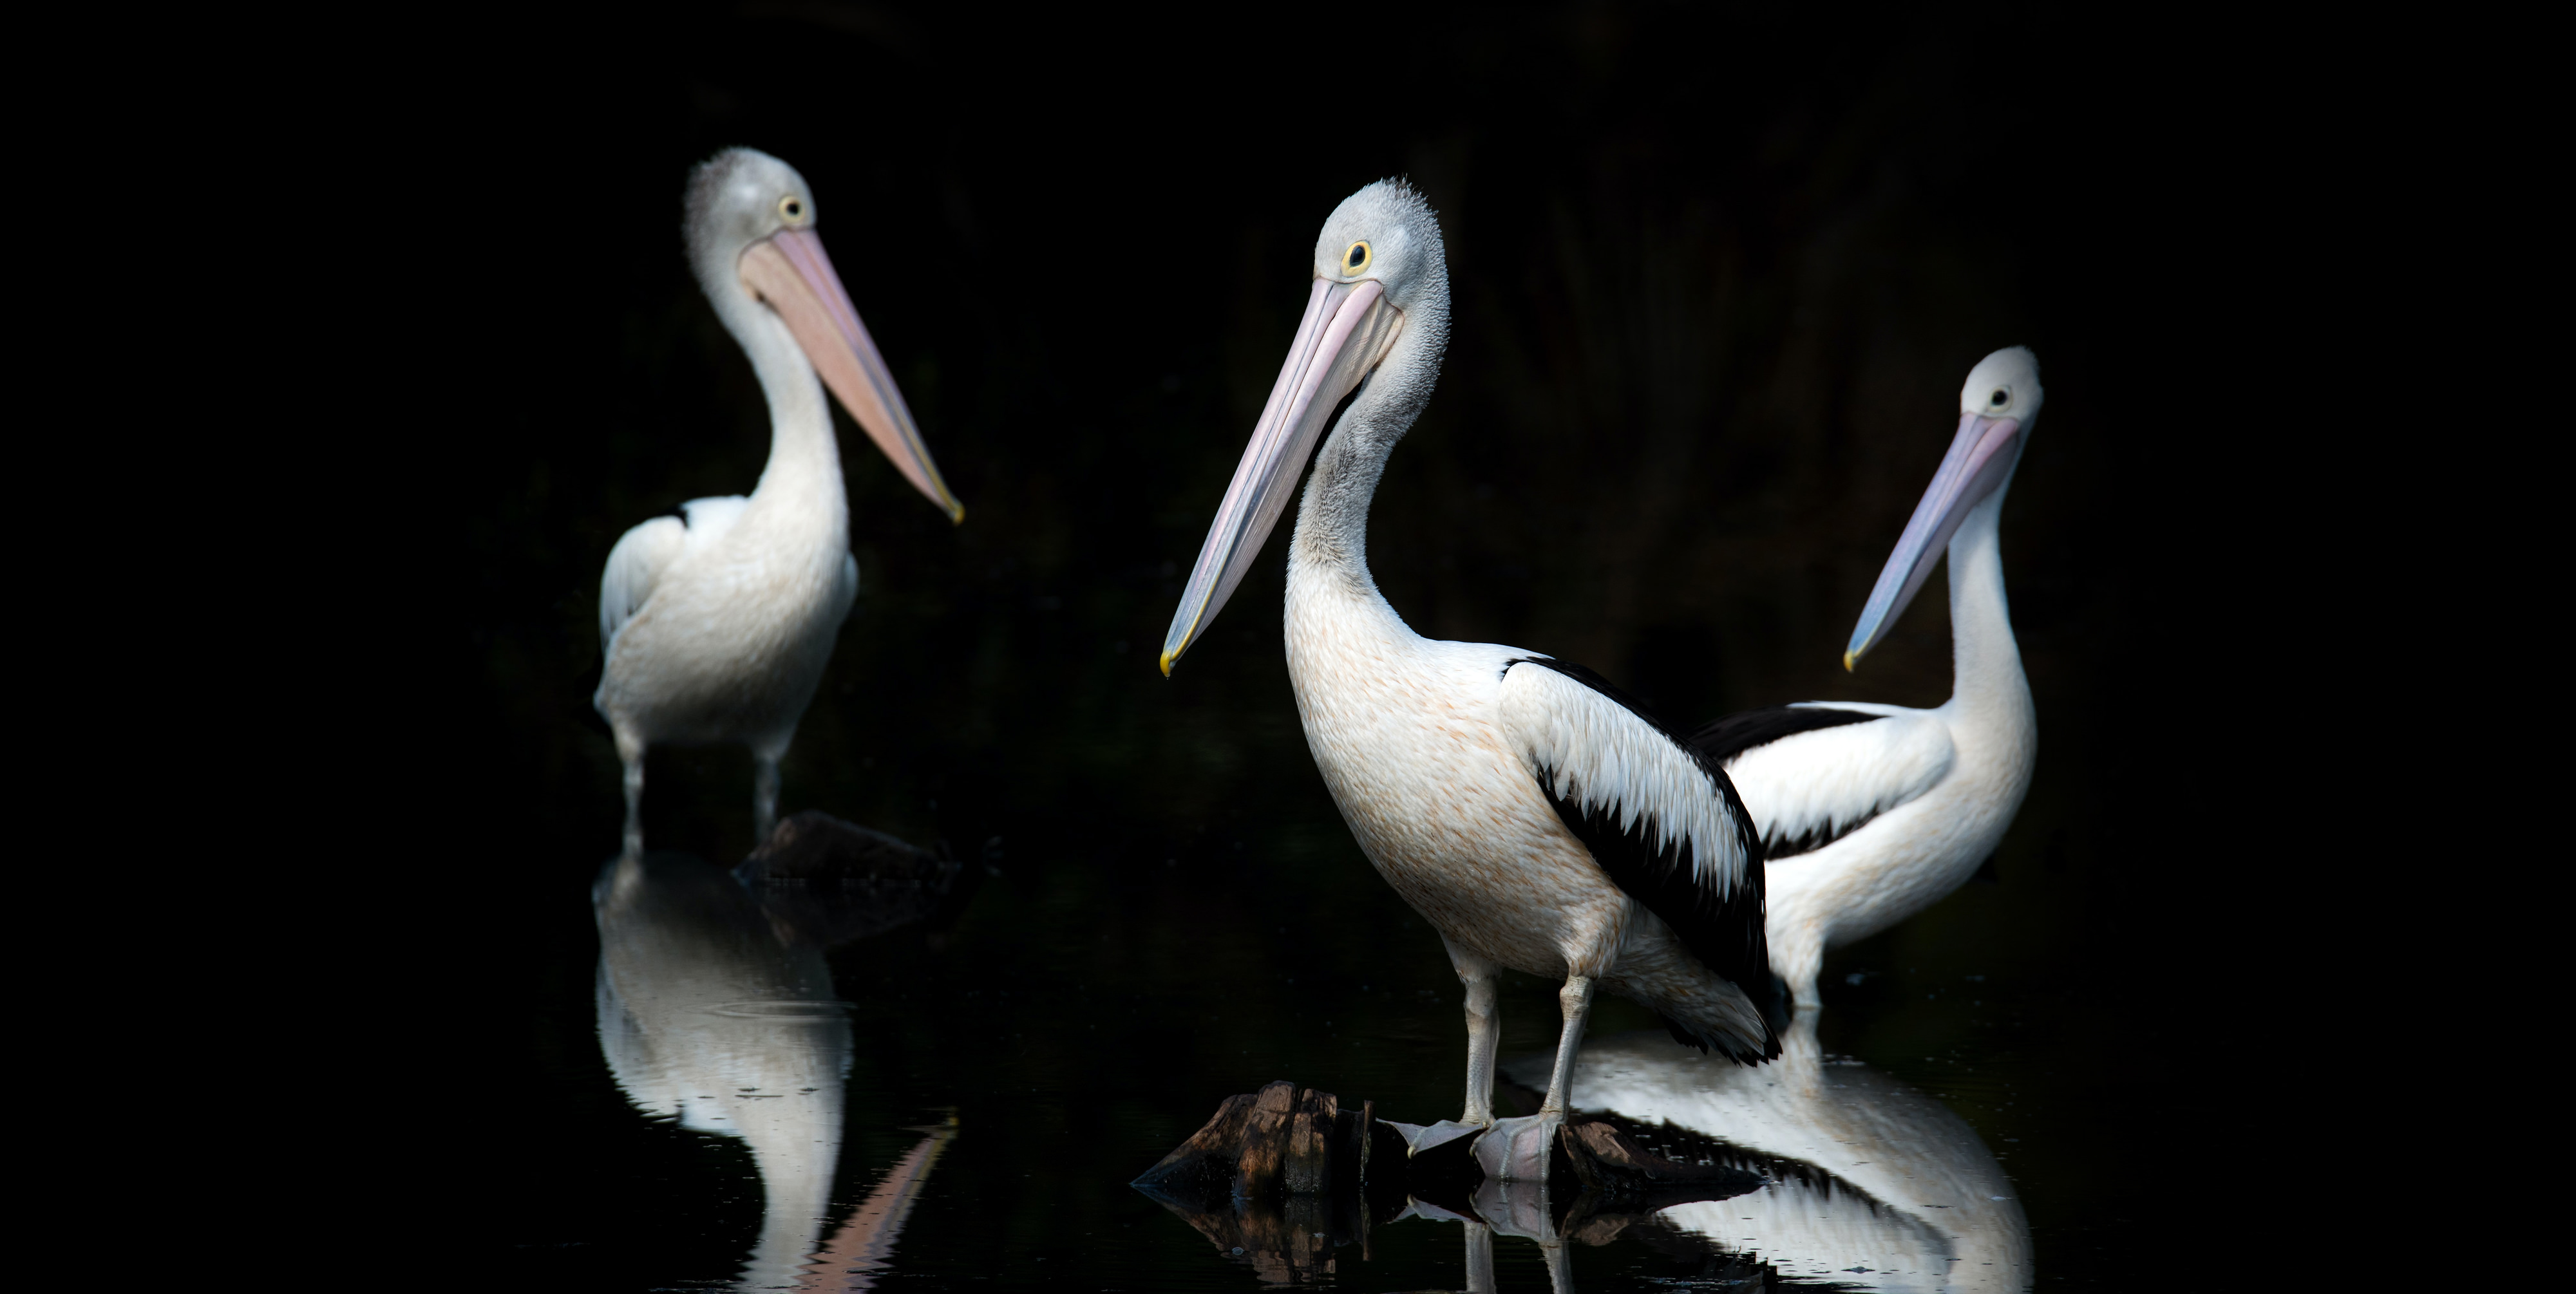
x,y
1877,1175
1529,811
1870,813
715,623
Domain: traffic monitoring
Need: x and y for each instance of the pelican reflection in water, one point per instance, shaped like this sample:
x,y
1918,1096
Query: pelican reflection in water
x,y
1872,1184
1807,1169
717,1010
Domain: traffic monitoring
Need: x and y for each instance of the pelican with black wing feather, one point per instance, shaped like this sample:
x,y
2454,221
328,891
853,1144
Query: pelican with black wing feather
x,y
1870,813
1534,815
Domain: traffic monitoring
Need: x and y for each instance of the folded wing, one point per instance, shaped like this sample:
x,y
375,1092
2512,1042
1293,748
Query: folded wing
x,y
1665,823
1812,774
646,553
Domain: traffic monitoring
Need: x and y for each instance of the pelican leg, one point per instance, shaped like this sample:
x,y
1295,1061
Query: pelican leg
x,y
1576,999
1484,1034
1560,1266
1517,1149
764,798
1480,1258
1798,954
631,754
1484,1031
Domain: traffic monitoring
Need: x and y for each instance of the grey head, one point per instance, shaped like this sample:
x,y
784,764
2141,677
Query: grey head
x,y
1376,322
2004,384
736,198
1387,232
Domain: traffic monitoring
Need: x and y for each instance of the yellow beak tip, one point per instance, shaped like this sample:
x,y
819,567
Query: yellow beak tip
x,y
1850,659
1167,664
957,514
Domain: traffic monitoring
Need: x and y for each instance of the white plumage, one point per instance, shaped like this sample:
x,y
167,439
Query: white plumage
x,y
1903,1194
643,554
1829,781
1531,816
715,625
708,1018
1596,752
1873,820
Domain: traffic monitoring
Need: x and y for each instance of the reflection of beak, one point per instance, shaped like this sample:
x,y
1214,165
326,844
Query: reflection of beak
x,y
789,271
1347,330
1979,460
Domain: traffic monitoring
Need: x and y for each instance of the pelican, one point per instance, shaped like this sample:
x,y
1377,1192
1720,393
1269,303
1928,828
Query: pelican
x,y
715,622
1529,811
1869,813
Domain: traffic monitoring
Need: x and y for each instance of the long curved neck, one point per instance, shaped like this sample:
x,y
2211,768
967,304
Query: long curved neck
x,y
800,488
804,456
1985,659
1330,545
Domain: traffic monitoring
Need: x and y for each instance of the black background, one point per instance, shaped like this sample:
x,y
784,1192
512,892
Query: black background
x,y
1717,276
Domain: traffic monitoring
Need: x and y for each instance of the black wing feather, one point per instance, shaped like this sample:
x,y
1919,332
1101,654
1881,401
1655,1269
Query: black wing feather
x,y
1737,733
1725,934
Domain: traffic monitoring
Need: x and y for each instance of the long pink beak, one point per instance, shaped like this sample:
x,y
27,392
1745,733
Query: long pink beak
x,y
1347,330
789,270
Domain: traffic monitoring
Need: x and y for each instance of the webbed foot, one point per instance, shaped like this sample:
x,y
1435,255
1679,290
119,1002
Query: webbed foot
x,y
1516,1150
1418,1138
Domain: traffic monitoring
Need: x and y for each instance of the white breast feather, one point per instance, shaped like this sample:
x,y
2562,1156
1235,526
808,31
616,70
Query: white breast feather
x,y
1827,780
1606,758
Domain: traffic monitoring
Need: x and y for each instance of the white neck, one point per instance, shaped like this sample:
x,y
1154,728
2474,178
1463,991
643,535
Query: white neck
x,y
1328,554
801,486
1986,661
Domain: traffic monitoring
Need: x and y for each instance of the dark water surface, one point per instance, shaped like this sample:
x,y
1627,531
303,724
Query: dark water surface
x,y
1080,1013
1716,285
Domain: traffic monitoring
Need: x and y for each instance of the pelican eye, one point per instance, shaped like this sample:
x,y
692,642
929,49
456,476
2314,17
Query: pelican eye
x,y
2001,399
792,208
1357,258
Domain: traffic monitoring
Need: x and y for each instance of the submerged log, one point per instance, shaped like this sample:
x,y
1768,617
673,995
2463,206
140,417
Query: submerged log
x,y
1282,1140
1277,1179
1281,1177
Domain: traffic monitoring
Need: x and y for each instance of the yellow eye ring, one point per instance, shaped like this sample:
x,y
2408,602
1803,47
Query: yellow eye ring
x,y
792,209
1357,257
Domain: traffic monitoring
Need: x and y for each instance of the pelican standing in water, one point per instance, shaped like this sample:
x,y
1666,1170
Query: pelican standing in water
x,y
1531,813
715,623
1870,813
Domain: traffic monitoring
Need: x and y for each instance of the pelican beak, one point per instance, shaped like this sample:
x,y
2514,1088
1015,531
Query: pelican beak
x,y
1979,460
1347,330
789,271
